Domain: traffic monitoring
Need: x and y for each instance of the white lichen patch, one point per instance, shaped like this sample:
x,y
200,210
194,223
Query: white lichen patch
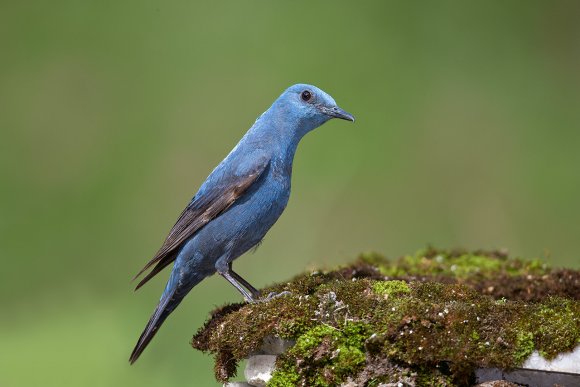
x,y
564,362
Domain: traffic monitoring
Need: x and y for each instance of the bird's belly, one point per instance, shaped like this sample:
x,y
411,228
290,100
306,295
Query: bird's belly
x,y
243,225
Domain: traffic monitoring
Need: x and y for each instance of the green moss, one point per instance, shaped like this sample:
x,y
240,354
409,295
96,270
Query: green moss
x,y
388,288
337,352
426,377
312,339
524,346
284,376
455,263
556,326
355,324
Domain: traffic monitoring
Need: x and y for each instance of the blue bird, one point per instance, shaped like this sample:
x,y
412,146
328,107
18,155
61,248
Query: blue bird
x,y
238,203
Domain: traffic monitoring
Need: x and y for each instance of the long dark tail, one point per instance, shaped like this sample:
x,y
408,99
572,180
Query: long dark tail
x,y
166,305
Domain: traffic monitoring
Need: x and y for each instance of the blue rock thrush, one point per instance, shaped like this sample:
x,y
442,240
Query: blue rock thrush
x,y
238,203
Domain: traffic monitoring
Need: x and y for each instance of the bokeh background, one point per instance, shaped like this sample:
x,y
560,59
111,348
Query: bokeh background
x,y
113,112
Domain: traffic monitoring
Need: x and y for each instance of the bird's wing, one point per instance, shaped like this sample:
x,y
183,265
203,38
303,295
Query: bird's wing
x,y
219,192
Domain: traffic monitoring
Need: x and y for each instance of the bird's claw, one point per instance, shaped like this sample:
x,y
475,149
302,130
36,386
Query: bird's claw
x,y
273,295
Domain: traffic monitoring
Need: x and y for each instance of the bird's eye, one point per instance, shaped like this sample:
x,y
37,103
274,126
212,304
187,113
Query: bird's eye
x,y
306,96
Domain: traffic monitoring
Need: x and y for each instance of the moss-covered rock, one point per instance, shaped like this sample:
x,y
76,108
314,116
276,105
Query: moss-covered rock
x,y
428,319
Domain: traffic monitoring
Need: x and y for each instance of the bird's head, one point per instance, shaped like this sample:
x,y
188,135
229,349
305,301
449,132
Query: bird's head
x,y
309,107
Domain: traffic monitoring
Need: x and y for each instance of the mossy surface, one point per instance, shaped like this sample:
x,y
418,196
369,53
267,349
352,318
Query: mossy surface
x,y
378,321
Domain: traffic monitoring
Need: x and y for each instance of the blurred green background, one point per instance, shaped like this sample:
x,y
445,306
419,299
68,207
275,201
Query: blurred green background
x,y
113,112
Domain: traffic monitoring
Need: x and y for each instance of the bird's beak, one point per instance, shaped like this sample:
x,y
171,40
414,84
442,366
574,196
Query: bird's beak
x,y
337,112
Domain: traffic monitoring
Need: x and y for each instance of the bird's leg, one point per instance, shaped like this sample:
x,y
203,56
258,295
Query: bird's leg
x,y
238,286
250,293
224,269
255,292
273,295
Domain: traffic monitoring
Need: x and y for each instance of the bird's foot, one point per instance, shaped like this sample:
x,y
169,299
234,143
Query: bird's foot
x,y
273,295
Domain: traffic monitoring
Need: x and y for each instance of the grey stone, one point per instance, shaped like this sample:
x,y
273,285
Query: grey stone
x,y
274,345
528,377
259,369
237,384
497,383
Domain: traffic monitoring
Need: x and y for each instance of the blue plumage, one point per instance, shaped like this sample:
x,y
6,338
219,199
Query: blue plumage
x,y
238,203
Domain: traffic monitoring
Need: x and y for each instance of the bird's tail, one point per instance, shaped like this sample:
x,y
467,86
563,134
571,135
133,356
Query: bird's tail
x,y
166,305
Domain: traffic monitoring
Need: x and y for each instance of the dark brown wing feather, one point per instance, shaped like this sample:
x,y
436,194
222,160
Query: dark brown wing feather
x,y
198,214
166,260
